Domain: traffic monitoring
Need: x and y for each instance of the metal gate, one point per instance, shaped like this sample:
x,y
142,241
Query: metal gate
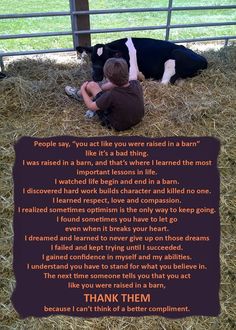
x,y
81,32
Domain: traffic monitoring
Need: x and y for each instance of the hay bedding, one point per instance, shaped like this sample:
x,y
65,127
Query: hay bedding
x,y
33,103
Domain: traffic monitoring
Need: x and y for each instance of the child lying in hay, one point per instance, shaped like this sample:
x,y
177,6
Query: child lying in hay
x,y
118,102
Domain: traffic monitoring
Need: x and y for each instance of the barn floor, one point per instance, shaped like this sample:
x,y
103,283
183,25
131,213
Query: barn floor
x,y
33,103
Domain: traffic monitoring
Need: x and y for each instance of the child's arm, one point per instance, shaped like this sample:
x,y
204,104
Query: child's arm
x,y
133,70
91,105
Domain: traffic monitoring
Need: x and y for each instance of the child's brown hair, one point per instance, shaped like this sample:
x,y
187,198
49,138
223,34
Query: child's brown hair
x,y
116,70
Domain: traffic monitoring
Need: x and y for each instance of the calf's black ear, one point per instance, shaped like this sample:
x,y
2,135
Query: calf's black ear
x,y
87,49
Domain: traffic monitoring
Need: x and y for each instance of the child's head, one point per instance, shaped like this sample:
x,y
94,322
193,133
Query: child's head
x,y
116,70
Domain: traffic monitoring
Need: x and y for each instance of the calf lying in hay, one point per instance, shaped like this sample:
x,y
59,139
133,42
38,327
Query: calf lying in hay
x,y
34,89
157,59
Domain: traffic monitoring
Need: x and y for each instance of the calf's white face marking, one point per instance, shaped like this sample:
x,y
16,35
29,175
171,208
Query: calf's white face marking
x,y
169,71
100,51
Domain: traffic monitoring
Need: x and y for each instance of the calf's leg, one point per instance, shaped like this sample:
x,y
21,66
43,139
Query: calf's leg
x,y
169,71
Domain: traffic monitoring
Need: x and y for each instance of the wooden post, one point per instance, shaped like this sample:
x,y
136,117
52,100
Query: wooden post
x,y
82,22
1,63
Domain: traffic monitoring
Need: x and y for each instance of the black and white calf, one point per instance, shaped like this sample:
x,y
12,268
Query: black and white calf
x,y
157,59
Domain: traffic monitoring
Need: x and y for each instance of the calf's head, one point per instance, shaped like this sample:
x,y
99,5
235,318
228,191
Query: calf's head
x,y
100,53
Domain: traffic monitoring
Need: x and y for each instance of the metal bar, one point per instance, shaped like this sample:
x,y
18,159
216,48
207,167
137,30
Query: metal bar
x,y
204,7
113,11
140,10
138,28
158,27
119,11
49,34
34,35
31,15
33,52
177,26
168,20
204,39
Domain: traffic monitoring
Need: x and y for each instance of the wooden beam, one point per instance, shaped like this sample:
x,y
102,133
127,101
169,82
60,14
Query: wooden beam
x,y
83,22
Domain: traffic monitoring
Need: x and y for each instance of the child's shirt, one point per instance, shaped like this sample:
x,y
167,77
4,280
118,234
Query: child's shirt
x,y
124,105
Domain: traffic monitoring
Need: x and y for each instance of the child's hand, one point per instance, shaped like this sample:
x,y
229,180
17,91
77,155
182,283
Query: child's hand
x,y
83,87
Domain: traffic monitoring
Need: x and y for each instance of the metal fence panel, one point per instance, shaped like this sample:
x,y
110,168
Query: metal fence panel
x,y
78,32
